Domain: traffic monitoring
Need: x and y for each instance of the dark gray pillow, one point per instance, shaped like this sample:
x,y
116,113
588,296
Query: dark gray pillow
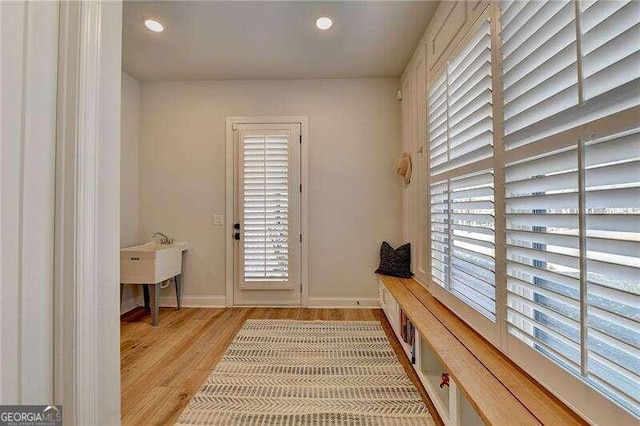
x,y
396,262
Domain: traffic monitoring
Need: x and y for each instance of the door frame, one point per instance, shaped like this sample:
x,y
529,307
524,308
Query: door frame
x,y
231,122
86,327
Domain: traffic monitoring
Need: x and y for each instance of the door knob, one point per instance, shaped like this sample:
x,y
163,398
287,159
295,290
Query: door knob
x,y
236,236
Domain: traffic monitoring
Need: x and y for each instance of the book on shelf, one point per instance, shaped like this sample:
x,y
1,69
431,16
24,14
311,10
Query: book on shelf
x,y
413,353
408,334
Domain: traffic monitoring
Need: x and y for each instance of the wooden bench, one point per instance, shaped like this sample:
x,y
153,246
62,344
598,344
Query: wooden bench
x,y
497,389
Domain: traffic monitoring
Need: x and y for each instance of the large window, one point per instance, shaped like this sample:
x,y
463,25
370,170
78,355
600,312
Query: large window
x,y
534,211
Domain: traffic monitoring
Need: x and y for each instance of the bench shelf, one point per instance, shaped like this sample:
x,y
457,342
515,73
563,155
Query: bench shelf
x,y
485,387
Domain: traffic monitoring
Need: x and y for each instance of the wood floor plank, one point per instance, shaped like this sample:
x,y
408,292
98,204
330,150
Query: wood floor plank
x,y
149,375
350,315
336,314
155,348
178,398
153,398
220,337
162,367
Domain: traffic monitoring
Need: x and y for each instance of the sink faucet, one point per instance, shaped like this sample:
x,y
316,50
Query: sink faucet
x,y
164,239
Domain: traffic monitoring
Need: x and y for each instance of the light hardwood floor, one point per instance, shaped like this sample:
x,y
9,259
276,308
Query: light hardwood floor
x,y
162,367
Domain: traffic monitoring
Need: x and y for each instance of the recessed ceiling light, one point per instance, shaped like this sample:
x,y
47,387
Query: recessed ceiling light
x,y
154,25
324,23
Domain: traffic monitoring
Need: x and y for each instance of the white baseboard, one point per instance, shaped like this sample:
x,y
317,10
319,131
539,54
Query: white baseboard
x,y
170,302
219,302
194,301
344,302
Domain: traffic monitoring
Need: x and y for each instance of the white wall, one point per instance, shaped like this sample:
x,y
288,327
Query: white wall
x,y
29,65
129,135
355,196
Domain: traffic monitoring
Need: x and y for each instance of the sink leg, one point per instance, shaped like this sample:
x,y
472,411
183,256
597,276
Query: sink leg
x,y
177,282
145,291
155,304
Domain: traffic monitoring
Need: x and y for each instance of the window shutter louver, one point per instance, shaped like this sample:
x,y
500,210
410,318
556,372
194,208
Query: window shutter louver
x,y
266,208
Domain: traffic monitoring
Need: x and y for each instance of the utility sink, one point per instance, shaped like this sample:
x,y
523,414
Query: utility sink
x,y
151,263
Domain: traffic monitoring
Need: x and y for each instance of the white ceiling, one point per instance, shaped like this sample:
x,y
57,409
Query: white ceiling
x,y
219,40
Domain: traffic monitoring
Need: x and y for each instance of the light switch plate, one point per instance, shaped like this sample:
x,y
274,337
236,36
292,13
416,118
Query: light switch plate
x,y
218,220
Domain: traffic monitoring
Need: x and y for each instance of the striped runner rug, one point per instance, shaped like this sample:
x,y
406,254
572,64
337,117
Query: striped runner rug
x,y
285,372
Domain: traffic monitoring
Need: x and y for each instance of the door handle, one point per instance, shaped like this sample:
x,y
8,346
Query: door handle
x,y
236,226
236,236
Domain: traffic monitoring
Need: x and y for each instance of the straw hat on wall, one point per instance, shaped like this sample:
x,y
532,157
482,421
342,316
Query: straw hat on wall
x,y
403,167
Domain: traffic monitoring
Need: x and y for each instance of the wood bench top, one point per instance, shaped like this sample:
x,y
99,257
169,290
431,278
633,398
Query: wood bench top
x,y
499,390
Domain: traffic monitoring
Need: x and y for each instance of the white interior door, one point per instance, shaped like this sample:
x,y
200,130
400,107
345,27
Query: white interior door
x,y
267,215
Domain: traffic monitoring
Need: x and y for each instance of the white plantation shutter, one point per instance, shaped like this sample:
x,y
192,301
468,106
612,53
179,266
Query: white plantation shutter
x,y
266,208
612,209
460,110
463,241
540,73
437,122
566,170
573,208
473,242
440,219
610,44
543,258
460,129
558,75
469,101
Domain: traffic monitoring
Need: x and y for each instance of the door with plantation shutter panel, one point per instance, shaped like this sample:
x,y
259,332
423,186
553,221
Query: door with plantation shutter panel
x,y
267,214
